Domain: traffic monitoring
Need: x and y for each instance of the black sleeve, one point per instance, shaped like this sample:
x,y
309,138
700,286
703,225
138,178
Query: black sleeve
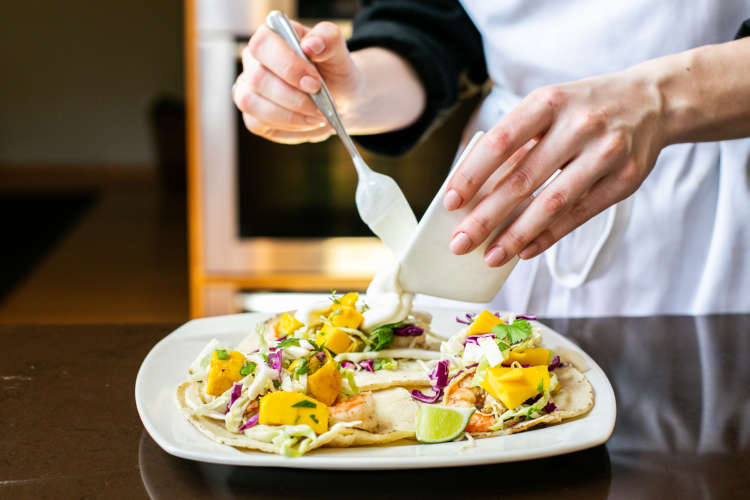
x,y
744,30
440,42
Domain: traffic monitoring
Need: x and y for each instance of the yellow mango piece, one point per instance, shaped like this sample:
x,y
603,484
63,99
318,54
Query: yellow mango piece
x,y
484,323
513,386
325,383
533,356
346,316
287,325
293,408
334,339
347,300
222,373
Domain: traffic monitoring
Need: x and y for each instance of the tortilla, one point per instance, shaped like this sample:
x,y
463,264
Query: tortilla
x,y
394,412
574,397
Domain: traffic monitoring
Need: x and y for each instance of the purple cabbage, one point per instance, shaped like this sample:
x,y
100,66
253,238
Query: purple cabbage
x,y
439,377
408,330
474,339
424,398
533,400
514,421
321,356
367,365
549,407
236,393
527,317
274,359
348,365
469,319
250,422
554,364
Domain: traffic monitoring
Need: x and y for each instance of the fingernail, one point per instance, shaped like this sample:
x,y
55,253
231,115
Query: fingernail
x,y
495,257
452,200
313,44
309,84
460,243
529,251
314,121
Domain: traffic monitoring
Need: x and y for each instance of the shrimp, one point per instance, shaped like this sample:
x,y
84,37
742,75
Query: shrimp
x,y
360,407
460,394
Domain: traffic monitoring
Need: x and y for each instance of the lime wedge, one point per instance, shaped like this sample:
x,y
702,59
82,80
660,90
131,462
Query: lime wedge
x,y
438,424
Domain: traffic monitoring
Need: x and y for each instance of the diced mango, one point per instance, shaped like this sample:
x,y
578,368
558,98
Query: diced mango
x,y
513,386
346,316
293,408
222,373
533,356
484,323
334,339
287,325
347,300
325,383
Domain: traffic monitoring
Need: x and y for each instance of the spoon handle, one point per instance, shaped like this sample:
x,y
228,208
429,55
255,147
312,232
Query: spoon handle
x,y
279,23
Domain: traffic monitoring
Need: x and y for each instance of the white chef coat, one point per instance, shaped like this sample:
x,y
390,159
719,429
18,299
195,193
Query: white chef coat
x,y
681,243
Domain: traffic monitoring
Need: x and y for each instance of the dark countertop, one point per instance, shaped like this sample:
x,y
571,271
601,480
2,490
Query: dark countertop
x,y
70,427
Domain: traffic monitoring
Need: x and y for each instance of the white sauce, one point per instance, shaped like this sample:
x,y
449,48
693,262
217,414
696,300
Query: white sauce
x,y
386,300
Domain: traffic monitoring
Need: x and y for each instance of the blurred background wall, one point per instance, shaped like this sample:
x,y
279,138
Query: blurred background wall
x,y
79,78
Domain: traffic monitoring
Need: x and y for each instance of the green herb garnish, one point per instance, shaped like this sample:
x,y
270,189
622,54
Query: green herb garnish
x,y
314,418
276,384
222,354
540,387
315,346
333,298
287,342
304,404
382,337
519,330
302,368
247,368
502,345
296,420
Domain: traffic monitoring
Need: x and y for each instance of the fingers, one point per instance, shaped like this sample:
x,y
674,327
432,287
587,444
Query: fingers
x,y
266,131
272,52
603,194
270,113
531,118
556,199
257,79
324,43
517,184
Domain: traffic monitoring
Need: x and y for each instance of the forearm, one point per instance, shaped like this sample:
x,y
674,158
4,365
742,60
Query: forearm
x,y
705,92
389,94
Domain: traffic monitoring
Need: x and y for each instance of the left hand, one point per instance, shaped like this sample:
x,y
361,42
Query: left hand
x,y
603,134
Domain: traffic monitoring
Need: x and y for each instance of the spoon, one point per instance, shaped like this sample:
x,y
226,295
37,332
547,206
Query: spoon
x,y
380,202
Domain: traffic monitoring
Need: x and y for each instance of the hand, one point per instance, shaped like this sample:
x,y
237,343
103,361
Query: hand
x,y
602,133
272,90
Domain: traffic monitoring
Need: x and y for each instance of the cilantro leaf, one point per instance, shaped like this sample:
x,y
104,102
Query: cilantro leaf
x,y
222,354
316,347
304,404
314,418
302,368
514,333
502,345
540,387
287,342
381,338
247,368
276,384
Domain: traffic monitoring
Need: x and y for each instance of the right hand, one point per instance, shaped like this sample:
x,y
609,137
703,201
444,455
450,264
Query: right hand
x,y
273,89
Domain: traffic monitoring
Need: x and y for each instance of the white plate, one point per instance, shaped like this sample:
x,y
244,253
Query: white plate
x,y
166,366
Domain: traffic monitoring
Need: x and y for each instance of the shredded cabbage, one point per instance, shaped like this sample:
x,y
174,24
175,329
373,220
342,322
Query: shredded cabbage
x,y
292,440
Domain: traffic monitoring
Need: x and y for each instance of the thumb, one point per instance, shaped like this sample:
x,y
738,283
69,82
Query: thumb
x,y
324,44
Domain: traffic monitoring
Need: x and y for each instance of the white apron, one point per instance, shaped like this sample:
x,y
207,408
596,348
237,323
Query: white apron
x,y
681,243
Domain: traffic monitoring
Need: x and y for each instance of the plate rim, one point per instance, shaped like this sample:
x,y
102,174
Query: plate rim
x,y
330,460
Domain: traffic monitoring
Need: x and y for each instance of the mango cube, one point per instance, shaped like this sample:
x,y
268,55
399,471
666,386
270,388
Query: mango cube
x,y
347,300
346,316
484,323
222,373
293,408
325,383
287,325
334,339
533,356
513,386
